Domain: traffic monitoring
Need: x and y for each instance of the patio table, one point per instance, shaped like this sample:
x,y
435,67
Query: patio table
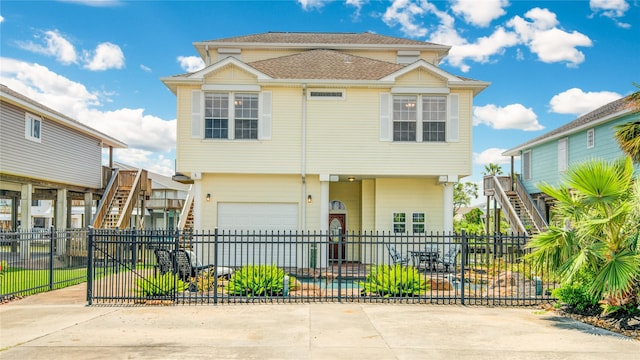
x,y
427,257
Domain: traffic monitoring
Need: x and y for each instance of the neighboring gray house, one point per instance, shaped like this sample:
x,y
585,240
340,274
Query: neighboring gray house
x,y
547,157
45,155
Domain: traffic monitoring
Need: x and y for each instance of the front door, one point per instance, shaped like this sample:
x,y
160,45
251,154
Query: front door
x,y
337,228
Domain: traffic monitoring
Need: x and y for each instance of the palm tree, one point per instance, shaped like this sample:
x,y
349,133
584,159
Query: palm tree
x,y
594,228
492,170
628,135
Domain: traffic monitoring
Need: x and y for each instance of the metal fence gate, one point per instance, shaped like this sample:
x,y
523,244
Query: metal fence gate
x,y
174,267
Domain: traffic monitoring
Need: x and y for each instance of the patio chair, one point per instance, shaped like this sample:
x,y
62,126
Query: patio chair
x,y
396,257
164,264
449,257
187,265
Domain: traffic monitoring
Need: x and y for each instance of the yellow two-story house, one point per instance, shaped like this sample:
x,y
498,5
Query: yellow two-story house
x,y
323,131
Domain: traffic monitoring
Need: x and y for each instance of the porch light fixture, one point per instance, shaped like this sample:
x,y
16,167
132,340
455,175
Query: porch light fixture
x,y
351,178
208,197
309,199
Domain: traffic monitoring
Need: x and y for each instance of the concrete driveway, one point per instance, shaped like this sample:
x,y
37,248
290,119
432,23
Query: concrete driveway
x,y
58,325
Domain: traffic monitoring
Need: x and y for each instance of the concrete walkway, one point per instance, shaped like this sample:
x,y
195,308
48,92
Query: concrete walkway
x,y
59,325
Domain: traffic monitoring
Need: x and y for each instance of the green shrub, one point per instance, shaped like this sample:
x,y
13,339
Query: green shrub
x,y
160,285
575,296
257,280
392,281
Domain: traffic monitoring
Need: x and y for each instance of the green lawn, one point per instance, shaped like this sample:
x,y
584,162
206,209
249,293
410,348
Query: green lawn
x,y
24,282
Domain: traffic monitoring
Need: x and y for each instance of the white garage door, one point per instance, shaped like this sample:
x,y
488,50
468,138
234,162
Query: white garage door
x,y
260,224
257,216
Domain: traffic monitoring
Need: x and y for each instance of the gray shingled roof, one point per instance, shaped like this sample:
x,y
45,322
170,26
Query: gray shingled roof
x,y
597,114
365,38
325,64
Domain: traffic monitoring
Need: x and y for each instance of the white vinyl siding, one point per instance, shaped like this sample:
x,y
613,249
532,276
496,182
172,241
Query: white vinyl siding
x,y
64,155
563,154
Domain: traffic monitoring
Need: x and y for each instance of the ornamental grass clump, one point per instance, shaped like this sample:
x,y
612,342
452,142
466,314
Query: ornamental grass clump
x,y
257,280
161,285
394,281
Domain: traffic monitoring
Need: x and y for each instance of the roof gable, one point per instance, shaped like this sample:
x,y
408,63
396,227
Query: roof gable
x,y
326,65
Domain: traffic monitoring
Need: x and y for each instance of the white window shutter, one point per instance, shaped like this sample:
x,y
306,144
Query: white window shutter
x,y
385,117
453,122
265,117
197,126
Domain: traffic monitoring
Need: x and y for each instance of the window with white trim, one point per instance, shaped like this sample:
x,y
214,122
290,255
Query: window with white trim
x,y
526,165
32,127
591,138
563,154
399,222
421,118
404,118
231,116
434,118
418,222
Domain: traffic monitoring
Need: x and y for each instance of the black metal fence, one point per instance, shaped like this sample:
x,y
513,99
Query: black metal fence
x,y
173,267
40,260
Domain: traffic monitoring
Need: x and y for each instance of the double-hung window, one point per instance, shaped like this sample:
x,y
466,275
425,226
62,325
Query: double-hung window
x,y
421,118
434,118
404,118
231,116
32,127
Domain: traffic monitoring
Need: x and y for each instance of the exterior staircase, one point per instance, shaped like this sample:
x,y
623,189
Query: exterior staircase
x,y
126,190
185,225
521,213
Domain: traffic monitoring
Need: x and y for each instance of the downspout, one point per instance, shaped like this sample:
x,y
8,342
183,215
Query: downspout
x,y
303,158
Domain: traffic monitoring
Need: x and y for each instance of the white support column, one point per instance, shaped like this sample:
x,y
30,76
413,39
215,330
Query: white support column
x,y
447,208
26,224
61,218
198,201
324,217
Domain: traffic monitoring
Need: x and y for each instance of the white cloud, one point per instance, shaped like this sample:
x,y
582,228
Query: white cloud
x,y
551,44
479,13
148,160
405,13
145,68
612,9
106,56
1,19
577,102
54,45
312,4
191,63
482,50
491,156
514,116
138,130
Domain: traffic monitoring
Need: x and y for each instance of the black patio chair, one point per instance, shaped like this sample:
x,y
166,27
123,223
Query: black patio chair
x,y
164,263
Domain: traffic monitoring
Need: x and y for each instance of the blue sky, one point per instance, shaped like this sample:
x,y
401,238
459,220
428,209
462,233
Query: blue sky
x,y
100,62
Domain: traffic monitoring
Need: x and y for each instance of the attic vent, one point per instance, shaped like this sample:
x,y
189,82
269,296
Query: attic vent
x,y
407,57
326,94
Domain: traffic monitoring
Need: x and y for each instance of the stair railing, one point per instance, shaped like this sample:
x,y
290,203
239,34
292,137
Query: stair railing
x,y
186,207
492,183
127,209
105,201
538,220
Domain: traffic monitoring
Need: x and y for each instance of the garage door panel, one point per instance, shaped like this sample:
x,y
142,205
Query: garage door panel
x,y
259,224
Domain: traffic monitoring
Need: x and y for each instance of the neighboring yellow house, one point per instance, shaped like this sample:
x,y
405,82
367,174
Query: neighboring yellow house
x,y
319,131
